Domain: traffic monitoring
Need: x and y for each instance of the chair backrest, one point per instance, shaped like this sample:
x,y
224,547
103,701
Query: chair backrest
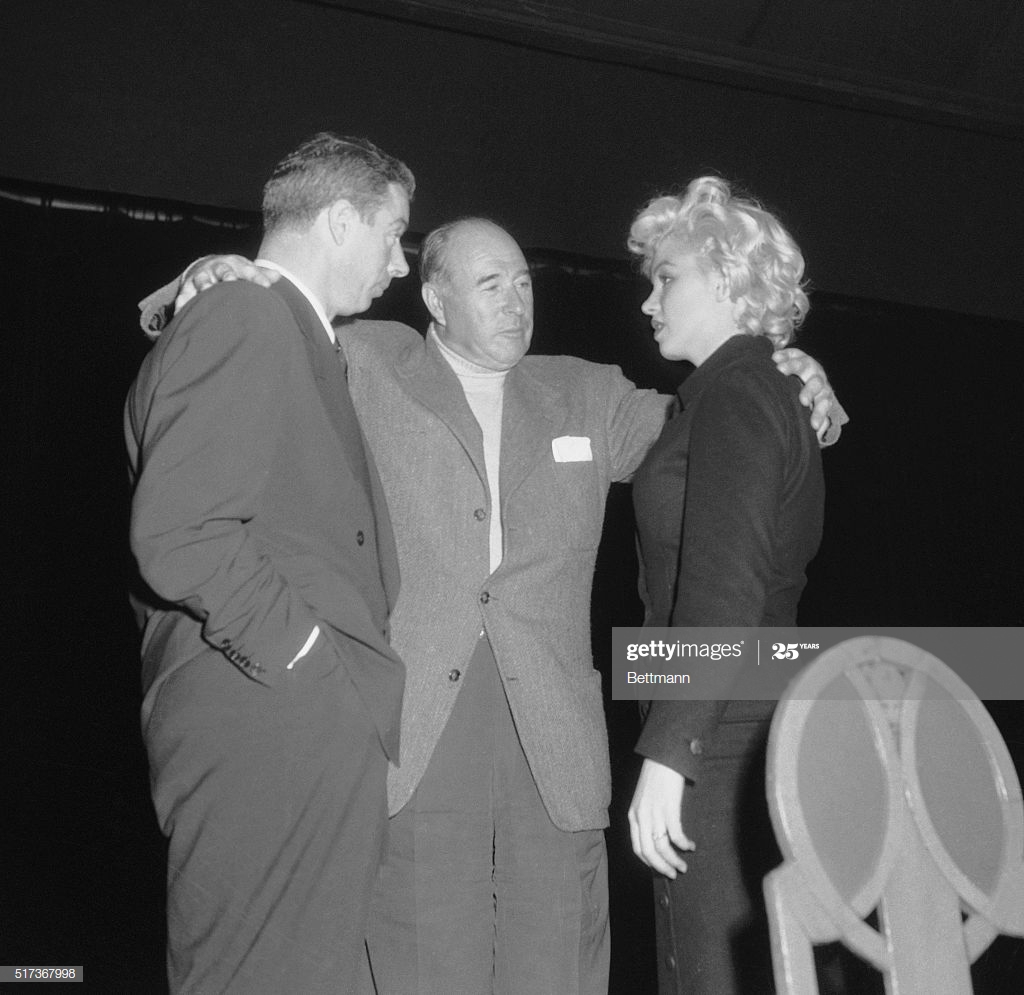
x,y
891,792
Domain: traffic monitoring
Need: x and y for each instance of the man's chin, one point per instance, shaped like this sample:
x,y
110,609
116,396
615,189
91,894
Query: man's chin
x,y
510,358
370,297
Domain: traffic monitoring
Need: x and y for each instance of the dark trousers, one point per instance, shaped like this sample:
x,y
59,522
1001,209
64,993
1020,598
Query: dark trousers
x,y
711,922
479,892
274,803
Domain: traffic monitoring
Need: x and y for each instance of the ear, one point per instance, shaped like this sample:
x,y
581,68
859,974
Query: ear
x,y
434,302
340,216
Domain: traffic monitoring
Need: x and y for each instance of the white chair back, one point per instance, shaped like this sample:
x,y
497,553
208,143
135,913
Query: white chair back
x,y
892,792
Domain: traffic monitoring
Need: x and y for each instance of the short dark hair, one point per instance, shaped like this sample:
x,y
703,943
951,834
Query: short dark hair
x,y
326,168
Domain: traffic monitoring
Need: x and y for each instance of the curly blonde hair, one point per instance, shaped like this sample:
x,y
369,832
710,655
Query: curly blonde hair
x,y
762,265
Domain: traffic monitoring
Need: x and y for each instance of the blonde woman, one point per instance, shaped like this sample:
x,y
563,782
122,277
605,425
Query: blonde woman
x,y
729,506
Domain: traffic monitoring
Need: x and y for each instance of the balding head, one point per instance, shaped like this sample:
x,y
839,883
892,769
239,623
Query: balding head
x,y
477,287
434,249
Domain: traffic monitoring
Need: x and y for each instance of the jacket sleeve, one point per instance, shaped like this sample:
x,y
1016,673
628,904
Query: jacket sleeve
x,y
634,419
674,733
206,420
156,311
734,481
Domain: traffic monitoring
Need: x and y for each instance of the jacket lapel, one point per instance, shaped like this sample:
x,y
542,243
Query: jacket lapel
x,y
532,416
329,373
427,378
387,551
532,413
332,383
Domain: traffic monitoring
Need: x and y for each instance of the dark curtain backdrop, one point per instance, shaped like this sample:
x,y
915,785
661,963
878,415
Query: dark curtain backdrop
x,y
923,528
196,100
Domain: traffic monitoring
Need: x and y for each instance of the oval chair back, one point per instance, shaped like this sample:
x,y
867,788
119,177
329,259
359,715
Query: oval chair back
x,y
891,792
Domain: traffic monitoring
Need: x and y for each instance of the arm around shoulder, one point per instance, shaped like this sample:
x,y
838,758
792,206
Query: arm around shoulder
x,y
635,417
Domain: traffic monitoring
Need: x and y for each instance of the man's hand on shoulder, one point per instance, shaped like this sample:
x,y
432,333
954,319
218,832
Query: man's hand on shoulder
x,y
210,270
827,414
162,305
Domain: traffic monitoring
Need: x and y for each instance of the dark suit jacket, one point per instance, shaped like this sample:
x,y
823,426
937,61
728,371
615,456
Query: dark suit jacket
x,y
729,508
256,514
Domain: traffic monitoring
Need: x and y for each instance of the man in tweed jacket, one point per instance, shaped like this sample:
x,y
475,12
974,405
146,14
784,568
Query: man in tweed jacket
x,y
496,865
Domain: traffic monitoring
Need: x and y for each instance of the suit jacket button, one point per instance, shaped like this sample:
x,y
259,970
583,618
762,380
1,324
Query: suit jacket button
x,y
360,538
485,597
663,900
454,674
480,514
696,747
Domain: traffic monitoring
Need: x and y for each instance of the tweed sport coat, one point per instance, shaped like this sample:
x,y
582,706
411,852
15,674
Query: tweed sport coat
x,y
535,607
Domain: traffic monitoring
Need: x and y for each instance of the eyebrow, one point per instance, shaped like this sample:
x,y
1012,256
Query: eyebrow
x,y
496,275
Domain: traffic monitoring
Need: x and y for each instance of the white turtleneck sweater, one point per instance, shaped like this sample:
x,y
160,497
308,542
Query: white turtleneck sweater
x,y
484,390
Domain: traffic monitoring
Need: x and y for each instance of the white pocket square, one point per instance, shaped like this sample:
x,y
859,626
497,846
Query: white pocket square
x,y
572,449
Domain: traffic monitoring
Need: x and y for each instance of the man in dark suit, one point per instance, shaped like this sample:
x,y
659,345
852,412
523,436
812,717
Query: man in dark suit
x,y
272,697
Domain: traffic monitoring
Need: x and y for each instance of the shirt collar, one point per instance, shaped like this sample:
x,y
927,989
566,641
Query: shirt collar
x,y
305,291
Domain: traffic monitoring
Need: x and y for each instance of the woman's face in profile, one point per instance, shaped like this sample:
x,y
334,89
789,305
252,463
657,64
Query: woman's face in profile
x,y
690,312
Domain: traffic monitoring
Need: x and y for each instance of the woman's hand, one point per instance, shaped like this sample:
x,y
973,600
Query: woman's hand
x,y
205,272
655,819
